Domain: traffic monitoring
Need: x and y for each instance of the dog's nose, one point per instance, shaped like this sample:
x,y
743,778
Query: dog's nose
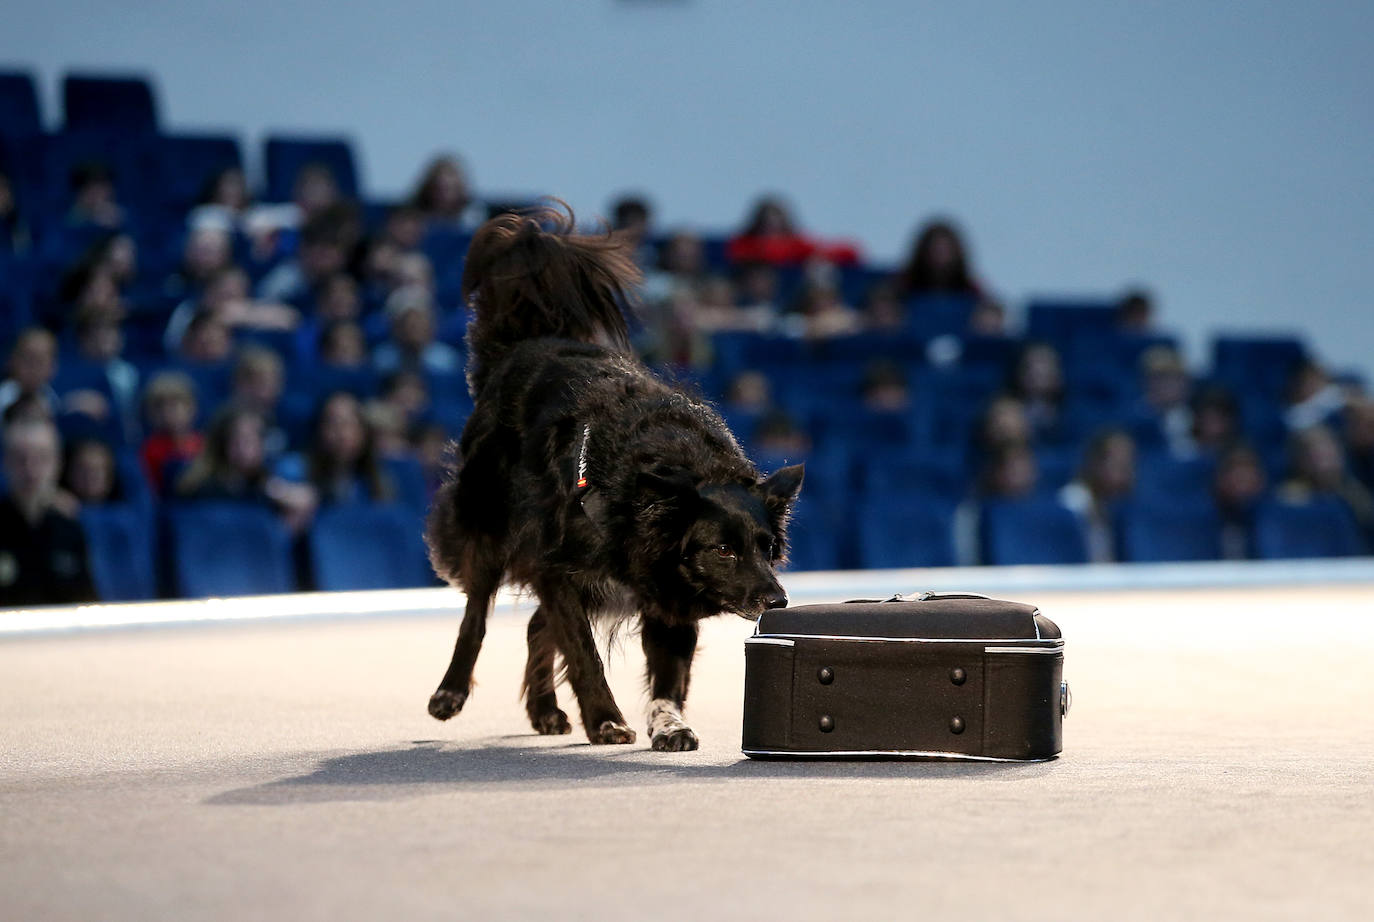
x,y
776,600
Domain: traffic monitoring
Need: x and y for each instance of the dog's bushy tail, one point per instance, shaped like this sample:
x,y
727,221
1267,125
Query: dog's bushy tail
x,y
528,276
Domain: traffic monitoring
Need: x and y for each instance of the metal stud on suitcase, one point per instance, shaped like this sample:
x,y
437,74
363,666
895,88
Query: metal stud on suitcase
x,y
934,676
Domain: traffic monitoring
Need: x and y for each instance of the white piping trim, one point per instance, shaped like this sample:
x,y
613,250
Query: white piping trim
x,y
777,642
890,753
862,639
1041,650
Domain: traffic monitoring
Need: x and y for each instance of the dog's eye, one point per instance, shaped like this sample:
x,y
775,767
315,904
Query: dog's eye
x,y
726,551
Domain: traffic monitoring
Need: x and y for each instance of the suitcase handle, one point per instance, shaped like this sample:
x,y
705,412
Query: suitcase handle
x,y
926,596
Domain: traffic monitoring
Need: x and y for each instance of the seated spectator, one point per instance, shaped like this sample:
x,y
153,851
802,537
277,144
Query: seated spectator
x,y
315,192
988,318
1010,471
771,236
758,285
98,280
94,202
342,345
100,342
327,240
1135,312
338,301
680,267
1313,398
258,383
1106,477
412,346
169,404
1237,487
404,227
390,425
226,295
206,341
207,252
233,466
1317,467
1165,386
749,392
1216,420
88,473
435,451
1359,438
407,394
32,367
938,264
820,313
42,546
884,388
444,196
882,310
631,221
15,236
342,463
224,200
1038,380
778,435
1004,423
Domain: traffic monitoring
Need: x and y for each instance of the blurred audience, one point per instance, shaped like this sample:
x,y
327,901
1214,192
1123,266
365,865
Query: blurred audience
x,y
772,236
938,264
1106,477
169,406
42,545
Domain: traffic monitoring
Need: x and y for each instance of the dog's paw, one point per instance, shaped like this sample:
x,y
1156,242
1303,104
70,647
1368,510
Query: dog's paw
x,y
681,739
444,703
551,723
611,732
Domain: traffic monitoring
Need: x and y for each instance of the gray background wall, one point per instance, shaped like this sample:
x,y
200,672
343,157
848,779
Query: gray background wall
x,y
1218,151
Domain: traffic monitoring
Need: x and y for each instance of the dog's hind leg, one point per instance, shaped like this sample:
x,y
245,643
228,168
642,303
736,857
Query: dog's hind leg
x,y
668,652
572,629
541,703
453,689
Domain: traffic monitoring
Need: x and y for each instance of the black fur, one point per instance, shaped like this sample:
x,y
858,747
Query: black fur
x,y
674,523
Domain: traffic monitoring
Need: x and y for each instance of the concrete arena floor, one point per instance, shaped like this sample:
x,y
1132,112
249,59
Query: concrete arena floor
x,y
1219,763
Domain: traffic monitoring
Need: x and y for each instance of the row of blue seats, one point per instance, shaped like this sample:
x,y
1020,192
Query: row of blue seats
x,y
918,530
205,549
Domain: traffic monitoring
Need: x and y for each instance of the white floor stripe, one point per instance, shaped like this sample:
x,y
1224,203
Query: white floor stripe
x,y
803,588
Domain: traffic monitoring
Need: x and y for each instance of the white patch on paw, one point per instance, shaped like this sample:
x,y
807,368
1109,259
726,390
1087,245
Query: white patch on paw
x,y
664,717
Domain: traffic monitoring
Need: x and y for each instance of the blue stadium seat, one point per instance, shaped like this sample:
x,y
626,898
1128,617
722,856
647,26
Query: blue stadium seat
x,y
1161,478
136,162
119,542
368,546
226,549
118,105
1063,321
938,314
815,535
1169,529
906,530
284,156
1321,527
1251,363
19,113
1031,531
190,161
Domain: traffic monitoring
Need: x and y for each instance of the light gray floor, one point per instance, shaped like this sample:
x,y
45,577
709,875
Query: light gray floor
x,y
1217,765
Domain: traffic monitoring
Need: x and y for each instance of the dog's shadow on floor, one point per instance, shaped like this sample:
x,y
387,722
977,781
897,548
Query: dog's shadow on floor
x,y
433,767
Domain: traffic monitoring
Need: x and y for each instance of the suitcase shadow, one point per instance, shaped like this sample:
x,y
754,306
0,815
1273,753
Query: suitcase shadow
x,y
433,766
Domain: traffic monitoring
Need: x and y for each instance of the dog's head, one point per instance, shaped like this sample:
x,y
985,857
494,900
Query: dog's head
x,y
724,541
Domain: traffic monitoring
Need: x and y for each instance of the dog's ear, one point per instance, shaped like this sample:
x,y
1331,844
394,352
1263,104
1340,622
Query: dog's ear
x,y
780,489
671,486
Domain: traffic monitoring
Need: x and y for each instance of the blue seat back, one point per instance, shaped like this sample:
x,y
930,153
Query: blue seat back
x,y
119,543
368,546
1031,531
1181,529
1321,527
119,105
228,549
284,156
19,113
906,530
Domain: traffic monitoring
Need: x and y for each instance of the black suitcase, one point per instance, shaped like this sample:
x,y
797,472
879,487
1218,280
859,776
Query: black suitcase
x,y
934,676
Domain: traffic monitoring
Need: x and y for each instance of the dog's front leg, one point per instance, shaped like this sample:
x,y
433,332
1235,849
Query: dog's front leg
x,y
668,652
572,629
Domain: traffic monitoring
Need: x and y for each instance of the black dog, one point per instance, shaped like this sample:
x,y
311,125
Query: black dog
x,y
593,483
